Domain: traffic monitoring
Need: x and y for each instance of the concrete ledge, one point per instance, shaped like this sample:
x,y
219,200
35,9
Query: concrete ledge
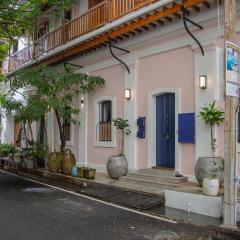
x,y
201,204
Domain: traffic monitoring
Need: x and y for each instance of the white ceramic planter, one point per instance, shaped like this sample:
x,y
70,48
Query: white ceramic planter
x,y
203,168
211,186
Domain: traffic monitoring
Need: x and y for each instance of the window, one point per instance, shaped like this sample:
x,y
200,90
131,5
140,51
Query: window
x,y
15,46
92,3
66,127
43,30
1,68
105,121
104,112
67,16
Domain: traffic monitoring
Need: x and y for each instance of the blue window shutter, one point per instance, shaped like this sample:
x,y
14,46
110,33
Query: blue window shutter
x,y
186,127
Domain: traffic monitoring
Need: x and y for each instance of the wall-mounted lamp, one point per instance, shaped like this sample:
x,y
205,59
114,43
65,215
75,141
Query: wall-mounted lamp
x,y
127,93
82,101
203,81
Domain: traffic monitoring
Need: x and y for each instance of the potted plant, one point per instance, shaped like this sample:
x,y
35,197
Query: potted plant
x,y
41,153
212,116
29,159
17,156
7,150
117,165
211,184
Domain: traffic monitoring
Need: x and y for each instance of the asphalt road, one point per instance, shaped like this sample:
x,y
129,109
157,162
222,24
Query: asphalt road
x,y
31,211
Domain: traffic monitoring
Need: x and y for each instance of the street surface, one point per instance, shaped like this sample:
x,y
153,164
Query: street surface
x,y
31,211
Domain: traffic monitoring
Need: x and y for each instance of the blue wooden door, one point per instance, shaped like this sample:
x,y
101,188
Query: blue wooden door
x,y
165,130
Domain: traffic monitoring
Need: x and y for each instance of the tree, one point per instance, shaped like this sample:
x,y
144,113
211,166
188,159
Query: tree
x,y
210,114
122,129
19,17
23,112
54,90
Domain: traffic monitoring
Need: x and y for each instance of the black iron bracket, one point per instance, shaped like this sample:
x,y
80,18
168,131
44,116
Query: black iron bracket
x,y
185,20
111,46
72,64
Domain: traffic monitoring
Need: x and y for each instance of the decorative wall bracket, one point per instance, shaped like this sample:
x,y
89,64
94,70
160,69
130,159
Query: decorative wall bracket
x,y
72,64
111,46
185,20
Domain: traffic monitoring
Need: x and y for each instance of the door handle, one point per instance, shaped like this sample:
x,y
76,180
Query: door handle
x,y
167,136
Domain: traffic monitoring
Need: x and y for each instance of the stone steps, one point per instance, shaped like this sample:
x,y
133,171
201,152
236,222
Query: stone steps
x,y
147,182
154,177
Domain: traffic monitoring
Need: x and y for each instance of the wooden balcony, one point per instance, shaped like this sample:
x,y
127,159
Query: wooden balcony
x,y
105,12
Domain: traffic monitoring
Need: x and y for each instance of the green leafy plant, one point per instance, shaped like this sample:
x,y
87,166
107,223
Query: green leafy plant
x,y
6,149
212,115
217,169
122,129
55,89
18,18
36,150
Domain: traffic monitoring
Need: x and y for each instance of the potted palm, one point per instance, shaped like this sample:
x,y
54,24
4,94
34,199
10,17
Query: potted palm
x,y
29,159
205,166
117,165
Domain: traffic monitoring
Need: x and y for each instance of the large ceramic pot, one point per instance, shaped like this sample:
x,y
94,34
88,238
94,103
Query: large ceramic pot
x,y
17,157
203,168
117,167
29,162
54,161
68,162
211,186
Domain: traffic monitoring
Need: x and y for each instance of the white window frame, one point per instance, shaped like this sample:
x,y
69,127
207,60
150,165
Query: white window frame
x,y
97,143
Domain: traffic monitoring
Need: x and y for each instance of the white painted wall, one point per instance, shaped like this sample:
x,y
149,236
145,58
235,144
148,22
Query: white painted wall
x,y
204,65
23,42
8,129
130,114
82,148
83,6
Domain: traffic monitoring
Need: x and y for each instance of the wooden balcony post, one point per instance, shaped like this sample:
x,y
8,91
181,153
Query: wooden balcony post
x,y
109,10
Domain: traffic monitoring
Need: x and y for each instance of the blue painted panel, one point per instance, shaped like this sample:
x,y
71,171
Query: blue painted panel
x,y
165,130
141,122
186,127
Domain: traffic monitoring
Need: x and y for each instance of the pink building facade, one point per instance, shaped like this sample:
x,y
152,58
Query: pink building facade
x,y
165,64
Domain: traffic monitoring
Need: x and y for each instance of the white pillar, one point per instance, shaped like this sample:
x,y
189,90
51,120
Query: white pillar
x,y
210,65
83,130
131,115
50,130
9,134
4,129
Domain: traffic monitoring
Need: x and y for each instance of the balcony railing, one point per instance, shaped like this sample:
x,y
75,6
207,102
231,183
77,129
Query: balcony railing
x,y
92,19
2,72
105,131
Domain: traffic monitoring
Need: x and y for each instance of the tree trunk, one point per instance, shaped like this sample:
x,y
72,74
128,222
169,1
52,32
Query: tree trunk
x,y
31,132
62,137
212,147
41,130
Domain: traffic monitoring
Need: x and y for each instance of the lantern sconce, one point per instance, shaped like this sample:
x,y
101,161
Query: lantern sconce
x,y
82,101
203,81
127,93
